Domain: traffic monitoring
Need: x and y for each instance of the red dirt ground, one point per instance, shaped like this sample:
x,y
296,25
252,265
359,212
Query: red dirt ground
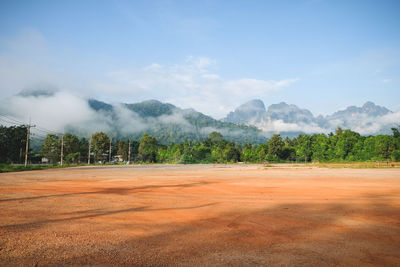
x,y
232,215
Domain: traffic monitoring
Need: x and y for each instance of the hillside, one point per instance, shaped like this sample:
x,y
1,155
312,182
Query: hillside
x,y
168,123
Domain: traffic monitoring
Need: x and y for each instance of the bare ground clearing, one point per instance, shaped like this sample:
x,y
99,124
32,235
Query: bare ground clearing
x,y
200,215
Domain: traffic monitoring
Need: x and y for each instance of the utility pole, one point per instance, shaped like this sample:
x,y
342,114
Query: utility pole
x,y
109,152
90,144
129,152
28,136
62,149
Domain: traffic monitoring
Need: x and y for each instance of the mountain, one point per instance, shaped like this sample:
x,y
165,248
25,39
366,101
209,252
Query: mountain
x,y
291,120
289,113
252,111
368,109
98,105
166,122
368,119
152,108
61,111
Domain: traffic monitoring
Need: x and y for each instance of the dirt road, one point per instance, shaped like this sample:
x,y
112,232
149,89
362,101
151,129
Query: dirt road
x,y
233,215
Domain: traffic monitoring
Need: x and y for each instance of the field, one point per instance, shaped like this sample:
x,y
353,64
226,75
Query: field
x,y
196,215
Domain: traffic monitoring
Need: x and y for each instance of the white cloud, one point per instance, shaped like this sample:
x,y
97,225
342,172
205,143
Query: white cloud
x,y
387,80
365,125
276,126
52,112
28,62
190,84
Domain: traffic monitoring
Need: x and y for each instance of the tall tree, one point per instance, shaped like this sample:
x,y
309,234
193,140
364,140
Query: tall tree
x,y
148,148
83,149
385,145
123,149
275,146
100,143
345,143
12,143
231,153
71,144
304,147
51,148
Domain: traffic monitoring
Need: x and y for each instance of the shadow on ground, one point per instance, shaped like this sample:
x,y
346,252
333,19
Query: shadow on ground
x,y
110,190
292,234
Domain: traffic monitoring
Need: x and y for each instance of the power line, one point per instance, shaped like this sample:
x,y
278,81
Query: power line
x,y
12,119
49,131
15,121
9,122
46,132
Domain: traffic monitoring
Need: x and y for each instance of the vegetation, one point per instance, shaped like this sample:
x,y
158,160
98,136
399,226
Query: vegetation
x,y
170,124
100,143
12,144
341,146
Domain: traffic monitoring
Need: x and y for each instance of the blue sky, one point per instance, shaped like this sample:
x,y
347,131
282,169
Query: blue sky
x,y
209,55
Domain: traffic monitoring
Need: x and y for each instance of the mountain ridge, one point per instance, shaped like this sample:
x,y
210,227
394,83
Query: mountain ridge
x,y
291,116
171,124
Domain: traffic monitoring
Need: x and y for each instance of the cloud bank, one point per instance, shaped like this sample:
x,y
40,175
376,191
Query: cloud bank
x,y
28,61
192,84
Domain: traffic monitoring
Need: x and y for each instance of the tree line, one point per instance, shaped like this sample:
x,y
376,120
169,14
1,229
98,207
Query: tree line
x,y
343,145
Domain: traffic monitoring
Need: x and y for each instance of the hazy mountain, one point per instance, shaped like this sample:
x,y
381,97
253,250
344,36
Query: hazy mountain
x,y
368,119
289,113
254,112
369,109
250,112
152,108
292,120
61,111
168,123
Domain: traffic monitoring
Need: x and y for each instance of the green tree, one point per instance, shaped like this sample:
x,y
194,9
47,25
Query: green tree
x,y
396,136
385,145
304,147
123,149
368,151
275,146
148,146
215,138
202,153
339,131
71,148
262,152
396,132
249,154
396,155
83,149
72,157
100,144
320,148
345,143
12,143
231,153
51,148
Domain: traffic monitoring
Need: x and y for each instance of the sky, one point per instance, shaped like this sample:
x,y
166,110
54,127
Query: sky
x,y
208,55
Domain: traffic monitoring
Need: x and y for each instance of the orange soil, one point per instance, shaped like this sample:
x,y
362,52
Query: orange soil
x,y
200,215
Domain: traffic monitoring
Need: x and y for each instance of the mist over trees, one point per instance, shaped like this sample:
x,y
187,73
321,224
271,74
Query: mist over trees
x,y
343,145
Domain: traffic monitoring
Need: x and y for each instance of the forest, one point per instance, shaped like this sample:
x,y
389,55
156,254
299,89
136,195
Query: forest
x,y
343,145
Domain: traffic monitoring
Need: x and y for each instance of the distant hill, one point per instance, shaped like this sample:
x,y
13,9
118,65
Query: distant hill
x,y
59,111
291,120
168,123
